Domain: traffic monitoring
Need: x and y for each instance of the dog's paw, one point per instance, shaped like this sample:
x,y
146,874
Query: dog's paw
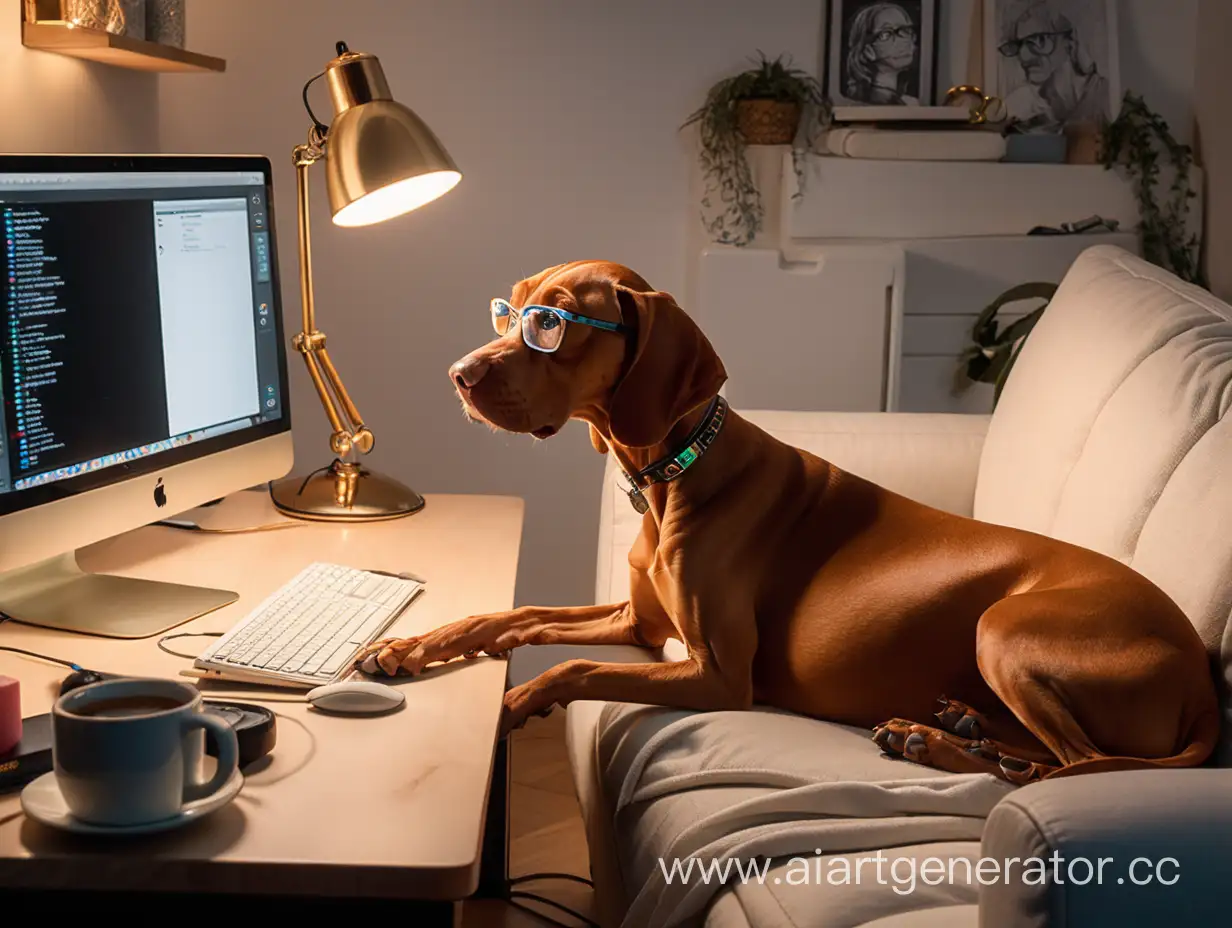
x,y
389,657
521,703
959,719
1021,772
900,738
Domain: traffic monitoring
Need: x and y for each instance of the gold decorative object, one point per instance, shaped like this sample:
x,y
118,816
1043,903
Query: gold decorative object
x,y
767,122
107,15
984,109
381,161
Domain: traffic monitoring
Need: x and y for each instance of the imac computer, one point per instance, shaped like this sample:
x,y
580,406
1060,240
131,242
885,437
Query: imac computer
x,y
142,370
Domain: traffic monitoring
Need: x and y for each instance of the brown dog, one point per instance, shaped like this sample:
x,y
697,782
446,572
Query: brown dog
x,y
796,585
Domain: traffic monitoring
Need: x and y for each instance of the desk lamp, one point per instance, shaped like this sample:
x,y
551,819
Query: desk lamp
x,y
381,161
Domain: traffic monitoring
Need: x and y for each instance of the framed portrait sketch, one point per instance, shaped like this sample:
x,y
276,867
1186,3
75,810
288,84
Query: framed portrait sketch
x,y
882,52
1054,62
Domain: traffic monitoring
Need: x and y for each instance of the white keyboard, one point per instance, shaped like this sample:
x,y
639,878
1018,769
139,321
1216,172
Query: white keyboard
x,y
310,630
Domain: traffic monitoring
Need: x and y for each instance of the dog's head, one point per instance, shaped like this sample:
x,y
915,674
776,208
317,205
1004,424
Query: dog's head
x,y
633,385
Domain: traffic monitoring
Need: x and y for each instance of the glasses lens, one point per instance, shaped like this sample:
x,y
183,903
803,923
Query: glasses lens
x,y
502,316
1042,43
890,33
543,329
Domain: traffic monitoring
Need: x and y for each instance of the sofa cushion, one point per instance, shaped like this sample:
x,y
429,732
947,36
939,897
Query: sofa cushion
x,y
646,830
1113,432
869,905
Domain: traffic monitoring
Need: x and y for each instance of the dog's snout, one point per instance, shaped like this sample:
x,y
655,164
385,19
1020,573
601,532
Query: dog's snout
x,y
468,372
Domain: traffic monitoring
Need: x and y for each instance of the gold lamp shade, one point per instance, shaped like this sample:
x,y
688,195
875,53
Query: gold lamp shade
x,y
381,159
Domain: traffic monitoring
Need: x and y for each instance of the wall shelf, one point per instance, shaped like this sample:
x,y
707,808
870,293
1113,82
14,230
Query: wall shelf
x,y
96,45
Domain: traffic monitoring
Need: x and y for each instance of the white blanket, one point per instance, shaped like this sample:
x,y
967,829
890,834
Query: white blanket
x,y
801,803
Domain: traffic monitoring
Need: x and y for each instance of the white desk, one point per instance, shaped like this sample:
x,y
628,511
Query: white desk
x,y
389,807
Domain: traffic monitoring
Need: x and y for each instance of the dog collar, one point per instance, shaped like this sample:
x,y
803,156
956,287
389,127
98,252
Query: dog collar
x,y
667,469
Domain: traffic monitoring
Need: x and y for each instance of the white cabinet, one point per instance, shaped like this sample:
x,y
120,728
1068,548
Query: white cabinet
x,y
804,335
805,320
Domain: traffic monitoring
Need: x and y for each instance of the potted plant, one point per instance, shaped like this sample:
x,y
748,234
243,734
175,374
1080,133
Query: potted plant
x,y
1140,142
994,347
764,105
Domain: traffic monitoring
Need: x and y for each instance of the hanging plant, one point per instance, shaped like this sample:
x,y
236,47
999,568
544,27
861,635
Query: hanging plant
x,y
1140,142
770,104
995,348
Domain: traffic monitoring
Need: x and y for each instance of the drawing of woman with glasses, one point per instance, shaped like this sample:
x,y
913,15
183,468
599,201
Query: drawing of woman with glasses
x,y
1063,81
882,56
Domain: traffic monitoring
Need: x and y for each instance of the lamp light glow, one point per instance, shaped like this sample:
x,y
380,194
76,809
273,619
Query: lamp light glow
x,y
397,198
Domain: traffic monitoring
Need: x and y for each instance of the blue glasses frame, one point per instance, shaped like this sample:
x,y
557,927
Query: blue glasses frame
x,y
543,327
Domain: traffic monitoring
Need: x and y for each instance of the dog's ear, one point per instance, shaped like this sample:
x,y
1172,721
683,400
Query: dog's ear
x,y
596,439
673,370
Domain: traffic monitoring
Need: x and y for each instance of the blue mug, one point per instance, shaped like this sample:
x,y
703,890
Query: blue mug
x,y
129,751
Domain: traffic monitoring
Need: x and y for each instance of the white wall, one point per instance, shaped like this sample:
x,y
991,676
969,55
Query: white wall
x,y
1158,41
563,118
1214,70
58,104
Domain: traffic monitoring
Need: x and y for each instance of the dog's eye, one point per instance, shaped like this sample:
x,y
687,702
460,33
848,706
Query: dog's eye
x,y
545,330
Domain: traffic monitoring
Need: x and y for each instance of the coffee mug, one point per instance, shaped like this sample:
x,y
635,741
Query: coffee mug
x,y
128,751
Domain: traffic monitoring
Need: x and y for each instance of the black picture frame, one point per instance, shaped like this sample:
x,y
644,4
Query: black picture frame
x,y
860,66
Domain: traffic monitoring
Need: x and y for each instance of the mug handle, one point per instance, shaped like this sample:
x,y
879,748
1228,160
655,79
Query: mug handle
x,y
228,758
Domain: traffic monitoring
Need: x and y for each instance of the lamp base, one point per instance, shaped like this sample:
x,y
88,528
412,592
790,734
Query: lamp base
x,y
344,492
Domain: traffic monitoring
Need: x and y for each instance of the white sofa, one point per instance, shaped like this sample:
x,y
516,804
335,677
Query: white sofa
x,y
1112,433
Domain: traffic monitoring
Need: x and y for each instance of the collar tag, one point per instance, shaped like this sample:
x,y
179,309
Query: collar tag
x,y
638,500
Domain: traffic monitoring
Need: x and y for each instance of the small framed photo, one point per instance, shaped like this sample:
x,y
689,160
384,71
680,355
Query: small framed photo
x,y
1055,63
882,52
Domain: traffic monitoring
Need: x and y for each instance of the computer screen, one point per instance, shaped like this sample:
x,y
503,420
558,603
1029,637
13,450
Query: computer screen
x,y
141,319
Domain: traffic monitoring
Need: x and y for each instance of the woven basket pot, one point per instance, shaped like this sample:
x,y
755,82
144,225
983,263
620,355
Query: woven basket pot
x,y
767,122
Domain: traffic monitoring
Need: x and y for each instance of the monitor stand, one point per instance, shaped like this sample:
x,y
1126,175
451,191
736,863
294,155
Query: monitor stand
x,y
58,594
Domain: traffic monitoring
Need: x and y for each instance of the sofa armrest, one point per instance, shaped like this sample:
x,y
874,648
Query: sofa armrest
x,y
1162,836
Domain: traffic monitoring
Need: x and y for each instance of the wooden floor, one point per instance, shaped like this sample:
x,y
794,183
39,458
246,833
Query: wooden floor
x,y
546,832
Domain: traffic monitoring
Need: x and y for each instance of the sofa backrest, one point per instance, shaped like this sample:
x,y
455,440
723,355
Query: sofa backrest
x,y
1113,432
933,461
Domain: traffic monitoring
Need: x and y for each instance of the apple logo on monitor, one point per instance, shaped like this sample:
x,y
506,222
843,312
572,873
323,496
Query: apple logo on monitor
x,y
160,494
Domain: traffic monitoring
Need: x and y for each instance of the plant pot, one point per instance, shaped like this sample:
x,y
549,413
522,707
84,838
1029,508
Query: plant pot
x,y
767,122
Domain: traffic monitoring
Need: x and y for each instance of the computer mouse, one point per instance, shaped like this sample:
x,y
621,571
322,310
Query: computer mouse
x,y
356,697
79,678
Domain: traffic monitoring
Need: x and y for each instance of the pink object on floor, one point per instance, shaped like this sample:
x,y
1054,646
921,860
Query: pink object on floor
x,y
10,713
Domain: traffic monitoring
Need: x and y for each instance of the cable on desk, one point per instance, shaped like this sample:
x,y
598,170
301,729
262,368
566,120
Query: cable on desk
x,y
513,898
43,657
188,657
4,617
184,525
531,877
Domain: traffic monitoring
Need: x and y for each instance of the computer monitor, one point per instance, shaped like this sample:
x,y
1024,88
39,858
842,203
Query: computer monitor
x,y
142,370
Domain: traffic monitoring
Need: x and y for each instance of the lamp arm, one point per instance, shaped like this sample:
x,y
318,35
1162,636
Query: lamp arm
x,y
349,433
